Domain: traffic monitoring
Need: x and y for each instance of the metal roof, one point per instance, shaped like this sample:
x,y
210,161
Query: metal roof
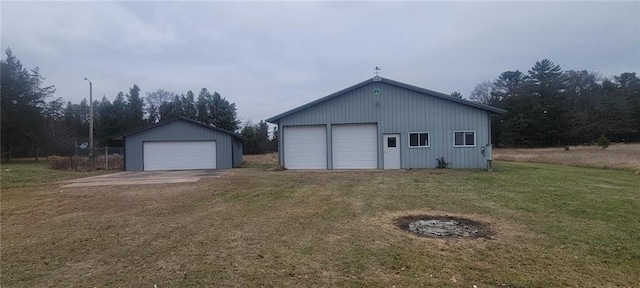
x,y
276,118
151,126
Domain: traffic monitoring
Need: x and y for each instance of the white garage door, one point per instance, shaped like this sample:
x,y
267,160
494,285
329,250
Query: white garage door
x,y
179,155
305,147
355,146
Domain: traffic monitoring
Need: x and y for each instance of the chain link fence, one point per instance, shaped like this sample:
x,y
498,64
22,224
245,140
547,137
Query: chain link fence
x,y
107,158
86,159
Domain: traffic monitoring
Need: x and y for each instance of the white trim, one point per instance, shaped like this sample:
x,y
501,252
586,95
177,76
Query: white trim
x,y
416,147
475,141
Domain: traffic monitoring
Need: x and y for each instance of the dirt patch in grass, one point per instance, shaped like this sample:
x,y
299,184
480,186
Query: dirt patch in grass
x,y
444,227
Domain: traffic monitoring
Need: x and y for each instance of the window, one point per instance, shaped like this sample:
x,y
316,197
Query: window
x,y
464,138
391,142
419,139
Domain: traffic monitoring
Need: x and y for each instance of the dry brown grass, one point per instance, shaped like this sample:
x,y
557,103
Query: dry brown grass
x,y
617,156
261,158
554,226
264,161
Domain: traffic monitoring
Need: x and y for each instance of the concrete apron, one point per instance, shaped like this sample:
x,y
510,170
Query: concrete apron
x,y
144,177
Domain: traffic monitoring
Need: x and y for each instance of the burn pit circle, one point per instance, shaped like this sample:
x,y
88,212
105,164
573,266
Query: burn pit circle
x,y
443,227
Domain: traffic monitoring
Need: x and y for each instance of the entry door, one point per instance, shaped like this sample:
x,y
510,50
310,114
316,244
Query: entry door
x,y
391,151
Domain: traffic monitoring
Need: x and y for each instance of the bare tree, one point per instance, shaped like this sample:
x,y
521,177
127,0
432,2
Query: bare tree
x,y
484,93
155,100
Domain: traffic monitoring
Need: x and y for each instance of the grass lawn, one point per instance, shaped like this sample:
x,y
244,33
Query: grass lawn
x,y
554,226
30,173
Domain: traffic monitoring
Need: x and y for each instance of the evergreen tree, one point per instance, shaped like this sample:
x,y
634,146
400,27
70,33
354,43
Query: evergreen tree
x,y
456,94
215,110
250,145
76,119
223,113
202,105
274,139
135,108
178,106
262,137
505,90
111,119
547,86
189,106
54,133
22,100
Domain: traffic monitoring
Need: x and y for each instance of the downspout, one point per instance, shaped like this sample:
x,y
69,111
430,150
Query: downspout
x,y
280,145
124,153
489,144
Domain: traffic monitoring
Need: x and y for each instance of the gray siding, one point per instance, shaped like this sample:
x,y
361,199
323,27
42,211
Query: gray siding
x,y
237,152
399,110
181,131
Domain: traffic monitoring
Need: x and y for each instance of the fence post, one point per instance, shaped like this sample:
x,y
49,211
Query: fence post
x,y
106,158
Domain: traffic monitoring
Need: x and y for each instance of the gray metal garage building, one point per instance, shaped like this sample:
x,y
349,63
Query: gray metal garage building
x,y
384,124
181,143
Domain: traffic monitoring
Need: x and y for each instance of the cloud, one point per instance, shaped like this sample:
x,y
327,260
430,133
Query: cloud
x,y
268,57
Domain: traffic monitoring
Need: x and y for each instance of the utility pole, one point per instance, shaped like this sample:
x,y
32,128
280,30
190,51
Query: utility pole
x,y
90,118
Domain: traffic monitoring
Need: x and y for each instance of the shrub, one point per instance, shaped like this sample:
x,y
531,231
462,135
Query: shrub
x,y
603,142
115,162
83,163
442,164
63,163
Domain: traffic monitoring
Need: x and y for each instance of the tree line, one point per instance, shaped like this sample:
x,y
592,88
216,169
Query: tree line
x,y
550,107
545,107
31,123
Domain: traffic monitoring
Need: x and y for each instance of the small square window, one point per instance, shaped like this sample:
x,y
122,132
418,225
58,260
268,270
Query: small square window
x,y
419,139
391,142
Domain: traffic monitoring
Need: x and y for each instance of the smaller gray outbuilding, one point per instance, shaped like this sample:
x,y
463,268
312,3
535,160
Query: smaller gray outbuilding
x,y
180,144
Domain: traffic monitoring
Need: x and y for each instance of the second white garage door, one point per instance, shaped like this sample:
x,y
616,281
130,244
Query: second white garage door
x,y
355,146
179,155
305,147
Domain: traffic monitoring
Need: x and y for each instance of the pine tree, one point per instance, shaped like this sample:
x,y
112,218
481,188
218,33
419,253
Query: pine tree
x,y
22,100
135,108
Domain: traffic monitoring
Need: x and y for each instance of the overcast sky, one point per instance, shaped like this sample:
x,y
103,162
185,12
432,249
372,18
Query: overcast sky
x,y
269,57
